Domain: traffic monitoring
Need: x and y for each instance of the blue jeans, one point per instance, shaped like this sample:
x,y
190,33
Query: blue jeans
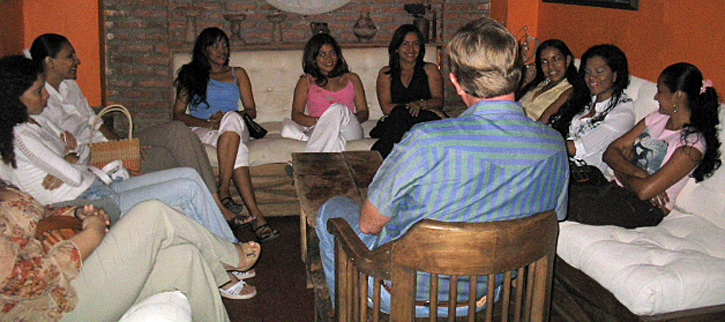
x,y
182,188
348,209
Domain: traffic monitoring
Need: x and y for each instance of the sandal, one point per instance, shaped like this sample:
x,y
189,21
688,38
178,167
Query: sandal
x,y
239,291
234,207
265,232
250,256
243,275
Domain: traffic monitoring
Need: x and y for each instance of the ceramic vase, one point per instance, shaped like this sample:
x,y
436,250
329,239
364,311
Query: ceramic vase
x,y
364,28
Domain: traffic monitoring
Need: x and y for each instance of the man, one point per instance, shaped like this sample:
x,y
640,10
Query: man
x,y
491,163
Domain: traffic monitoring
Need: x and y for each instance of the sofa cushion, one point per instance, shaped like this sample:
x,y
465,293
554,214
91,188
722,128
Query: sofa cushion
x,y
677,265
707,198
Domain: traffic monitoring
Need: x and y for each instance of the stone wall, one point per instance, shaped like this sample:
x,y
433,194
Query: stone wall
x,y
142,35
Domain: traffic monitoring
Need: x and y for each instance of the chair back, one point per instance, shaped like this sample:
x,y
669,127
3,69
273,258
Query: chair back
x,y
520,251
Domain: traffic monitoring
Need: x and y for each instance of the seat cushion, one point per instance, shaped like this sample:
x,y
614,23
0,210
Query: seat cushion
x,y
677,265
273,148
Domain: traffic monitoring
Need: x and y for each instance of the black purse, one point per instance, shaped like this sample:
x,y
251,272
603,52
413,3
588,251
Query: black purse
x,y
255,130
582,173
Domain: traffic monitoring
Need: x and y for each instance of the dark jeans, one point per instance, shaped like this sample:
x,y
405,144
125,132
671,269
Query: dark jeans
x,y
610,204
391,129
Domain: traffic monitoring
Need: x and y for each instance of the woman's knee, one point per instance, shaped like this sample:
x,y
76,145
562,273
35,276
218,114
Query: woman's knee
x,y
187,173
149,213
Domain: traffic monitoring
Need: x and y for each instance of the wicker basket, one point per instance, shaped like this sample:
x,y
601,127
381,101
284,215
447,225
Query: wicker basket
x,y
126,150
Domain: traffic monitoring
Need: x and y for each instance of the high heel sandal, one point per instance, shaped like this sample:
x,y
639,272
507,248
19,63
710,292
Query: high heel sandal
x,y
236,291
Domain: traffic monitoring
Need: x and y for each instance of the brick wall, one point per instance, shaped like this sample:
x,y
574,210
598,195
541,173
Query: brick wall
x,y
141,35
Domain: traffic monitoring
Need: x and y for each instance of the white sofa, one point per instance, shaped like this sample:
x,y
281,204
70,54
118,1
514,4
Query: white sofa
x,y
274,74
674,271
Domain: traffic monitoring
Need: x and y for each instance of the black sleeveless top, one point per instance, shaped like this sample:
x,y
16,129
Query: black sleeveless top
x,y
417,89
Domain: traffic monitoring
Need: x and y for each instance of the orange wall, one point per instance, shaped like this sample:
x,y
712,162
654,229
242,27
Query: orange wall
x,y
660,33
11,27
515,14
78,21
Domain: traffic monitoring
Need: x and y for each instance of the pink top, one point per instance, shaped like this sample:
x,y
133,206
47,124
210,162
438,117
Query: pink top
x,y
654,147
319,99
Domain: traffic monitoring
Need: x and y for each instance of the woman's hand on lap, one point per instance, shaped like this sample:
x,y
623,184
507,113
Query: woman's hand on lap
x,y
50,182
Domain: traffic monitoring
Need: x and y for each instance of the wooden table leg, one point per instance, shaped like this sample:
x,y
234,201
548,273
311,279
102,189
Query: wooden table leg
x,y
303,236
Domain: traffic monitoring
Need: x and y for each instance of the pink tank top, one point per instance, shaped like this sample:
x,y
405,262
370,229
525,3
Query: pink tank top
x,y
319,99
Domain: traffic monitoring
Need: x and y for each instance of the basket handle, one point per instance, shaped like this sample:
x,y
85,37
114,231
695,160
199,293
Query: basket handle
x,y
110,109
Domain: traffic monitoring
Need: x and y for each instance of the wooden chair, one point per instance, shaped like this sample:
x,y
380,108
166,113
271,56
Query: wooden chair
x,y
526,246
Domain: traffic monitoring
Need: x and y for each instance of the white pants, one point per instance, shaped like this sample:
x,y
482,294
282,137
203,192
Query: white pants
x,y
231,122
334,128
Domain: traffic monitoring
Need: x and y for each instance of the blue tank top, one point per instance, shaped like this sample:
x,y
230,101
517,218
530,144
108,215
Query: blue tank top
x,y
220,96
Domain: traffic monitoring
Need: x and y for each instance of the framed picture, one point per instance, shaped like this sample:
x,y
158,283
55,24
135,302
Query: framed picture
x,y
618,4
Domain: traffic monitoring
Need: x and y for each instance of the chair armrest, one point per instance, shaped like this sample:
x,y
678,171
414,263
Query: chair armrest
x,y
373,263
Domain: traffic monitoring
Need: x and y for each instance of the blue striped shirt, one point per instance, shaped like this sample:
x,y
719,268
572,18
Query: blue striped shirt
x,y
492,163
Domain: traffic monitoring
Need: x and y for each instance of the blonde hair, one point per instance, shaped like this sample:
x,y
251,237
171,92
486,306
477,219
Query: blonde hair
x,y
484,56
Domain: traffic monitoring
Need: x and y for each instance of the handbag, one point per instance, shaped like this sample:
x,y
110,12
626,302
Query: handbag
x,y
255,130
128,150
582,173
54,229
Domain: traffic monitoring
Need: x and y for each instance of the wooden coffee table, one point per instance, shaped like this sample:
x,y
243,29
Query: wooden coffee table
x,y
321,176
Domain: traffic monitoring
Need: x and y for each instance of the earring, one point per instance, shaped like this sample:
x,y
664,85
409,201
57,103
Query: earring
x,y
676,108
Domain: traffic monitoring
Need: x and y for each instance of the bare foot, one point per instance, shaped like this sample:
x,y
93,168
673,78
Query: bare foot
x,y
248,254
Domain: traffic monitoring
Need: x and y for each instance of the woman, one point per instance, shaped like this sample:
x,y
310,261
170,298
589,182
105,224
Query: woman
x,y
211,90
49,165
166,146
329,101
31,148
98,274
409,90
552,85
653,160
598,111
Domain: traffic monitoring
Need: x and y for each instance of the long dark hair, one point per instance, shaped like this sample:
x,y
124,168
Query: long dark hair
x,y
47,45
194,77
396,41
540,77
581,98
704,110
17,74
309,62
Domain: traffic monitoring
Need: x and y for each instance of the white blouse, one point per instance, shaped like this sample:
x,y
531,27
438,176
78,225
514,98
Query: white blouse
x,y
591,139
38,153
69,110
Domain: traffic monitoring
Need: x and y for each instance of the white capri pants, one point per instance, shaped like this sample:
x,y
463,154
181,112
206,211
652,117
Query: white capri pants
x,y
334,128
231,122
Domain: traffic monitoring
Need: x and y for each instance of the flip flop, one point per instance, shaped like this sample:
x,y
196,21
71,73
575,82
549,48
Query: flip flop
x,y
237,291
265,232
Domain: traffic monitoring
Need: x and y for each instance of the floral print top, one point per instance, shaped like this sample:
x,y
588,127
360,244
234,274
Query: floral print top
x,y
34,286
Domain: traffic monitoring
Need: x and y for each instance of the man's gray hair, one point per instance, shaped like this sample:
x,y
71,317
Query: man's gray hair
x,y
485,58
